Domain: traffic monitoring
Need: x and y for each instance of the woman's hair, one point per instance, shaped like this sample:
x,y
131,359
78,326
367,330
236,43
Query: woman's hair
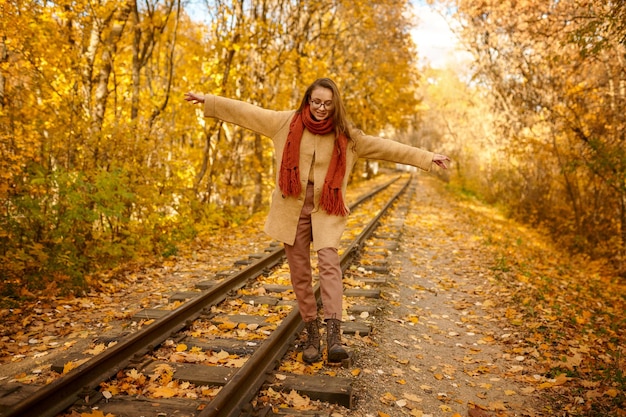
x,y
339,115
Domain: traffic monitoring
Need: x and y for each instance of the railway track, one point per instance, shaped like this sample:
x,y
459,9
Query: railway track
x,y
228,341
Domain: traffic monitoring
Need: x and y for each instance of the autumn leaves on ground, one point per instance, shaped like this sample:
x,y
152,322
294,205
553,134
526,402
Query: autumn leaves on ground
x,y
558,322
481,314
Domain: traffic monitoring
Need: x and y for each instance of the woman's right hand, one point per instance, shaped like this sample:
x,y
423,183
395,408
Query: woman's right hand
x,y
194,98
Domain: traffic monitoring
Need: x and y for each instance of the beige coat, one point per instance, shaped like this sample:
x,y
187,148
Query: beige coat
x,y
284,213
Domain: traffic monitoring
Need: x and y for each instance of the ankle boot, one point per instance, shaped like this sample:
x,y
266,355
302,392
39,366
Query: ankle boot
x,y
311,352
336,352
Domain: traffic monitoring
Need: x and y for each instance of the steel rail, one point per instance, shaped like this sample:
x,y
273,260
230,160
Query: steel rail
x,y
236,394
57,396
352,251
60,394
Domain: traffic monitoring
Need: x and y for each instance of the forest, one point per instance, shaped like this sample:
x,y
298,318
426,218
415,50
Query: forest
x,y
103,163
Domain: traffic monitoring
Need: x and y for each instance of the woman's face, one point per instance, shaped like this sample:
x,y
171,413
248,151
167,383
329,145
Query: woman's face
x,y
321,103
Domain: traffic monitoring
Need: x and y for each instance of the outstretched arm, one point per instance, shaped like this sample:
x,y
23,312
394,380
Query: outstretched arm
x,y
249,116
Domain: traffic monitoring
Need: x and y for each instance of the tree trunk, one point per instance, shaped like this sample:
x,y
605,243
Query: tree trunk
x,y
3,58
102,87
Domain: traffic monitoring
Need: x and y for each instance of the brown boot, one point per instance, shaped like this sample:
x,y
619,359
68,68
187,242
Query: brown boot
x,y
311,352
336,352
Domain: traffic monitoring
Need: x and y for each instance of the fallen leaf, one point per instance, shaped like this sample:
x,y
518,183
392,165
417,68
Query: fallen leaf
x,y
497,406
401,403
163,392
388,398
412,397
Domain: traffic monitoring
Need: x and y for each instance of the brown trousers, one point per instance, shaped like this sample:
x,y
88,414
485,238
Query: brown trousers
x,y
330,275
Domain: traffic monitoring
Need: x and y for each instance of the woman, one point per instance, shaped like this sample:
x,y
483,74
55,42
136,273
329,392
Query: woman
x,y
316,150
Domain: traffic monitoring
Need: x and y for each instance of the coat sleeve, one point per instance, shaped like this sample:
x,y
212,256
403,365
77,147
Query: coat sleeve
x,y
371,147
260,120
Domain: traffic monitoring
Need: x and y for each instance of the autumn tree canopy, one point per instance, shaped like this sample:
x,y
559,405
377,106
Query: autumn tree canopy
x,y
103,162
102,159
550,142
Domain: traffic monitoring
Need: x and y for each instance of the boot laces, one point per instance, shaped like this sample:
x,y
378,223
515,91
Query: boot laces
x,y
313,333
334,332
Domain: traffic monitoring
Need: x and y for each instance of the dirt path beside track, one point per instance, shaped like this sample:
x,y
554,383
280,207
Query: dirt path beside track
x,y
440,350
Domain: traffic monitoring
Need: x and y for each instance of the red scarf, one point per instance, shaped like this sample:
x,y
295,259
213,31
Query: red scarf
x,y
289,178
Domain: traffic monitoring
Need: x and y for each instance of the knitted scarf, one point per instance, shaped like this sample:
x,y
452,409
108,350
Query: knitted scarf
x,y
289,178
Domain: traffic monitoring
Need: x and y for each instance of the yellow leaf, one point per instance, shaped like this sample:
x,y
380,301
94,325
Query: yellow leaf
x,y
355,372
68,367
222,354
181,347
497,406
98,349
590,384
381,414
227,325
412,397
210,392
561,379
401,381
237,362
134,374
164,392
73,364
298,401
388,398
509,392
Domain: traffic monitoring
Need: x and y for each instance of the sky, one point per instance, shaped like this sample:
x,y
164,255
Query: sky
x,y
435,41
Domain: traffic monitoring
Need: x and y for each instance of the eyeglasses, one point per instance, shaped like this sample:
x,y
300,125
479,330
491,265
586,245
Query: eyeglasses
x,y
328,104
